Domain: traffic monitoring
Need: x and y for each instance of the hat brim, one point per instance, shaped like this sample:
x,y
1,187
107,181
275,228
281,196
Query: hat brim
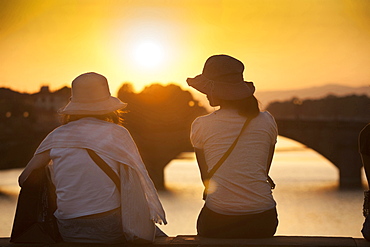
x,y
93,108
222,90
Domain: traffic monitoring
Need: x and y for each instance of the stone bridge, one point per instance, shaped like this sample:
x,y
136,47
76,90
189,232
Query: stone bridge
x,y
336,140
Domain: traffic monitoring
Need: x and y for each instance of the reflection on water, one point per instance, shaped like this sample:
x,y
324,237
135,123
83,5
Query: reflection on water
x,y
8,198
306,192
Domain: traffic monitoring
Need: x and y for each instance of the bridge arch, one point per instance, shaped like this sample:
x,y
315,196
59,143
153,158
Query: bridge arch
x,y
337,141
295,164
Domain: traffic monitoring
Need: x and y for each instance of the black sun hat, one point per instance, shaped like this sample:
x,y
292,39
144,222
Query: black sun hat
x,y
222,77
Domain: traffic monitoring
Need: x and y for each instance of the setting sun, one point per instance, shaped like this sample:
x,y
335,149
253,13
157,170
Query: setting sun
x,y
284,45
148,54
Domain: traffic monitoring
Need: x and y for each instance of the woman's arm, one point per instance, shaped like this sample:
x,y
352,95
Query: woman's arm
x,y
38,161
269,161
271,155
199,153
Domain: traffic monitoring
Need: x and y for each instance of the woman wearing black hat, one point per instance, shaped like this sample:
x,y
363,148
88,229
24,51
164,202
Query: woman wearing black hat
x,y
234,147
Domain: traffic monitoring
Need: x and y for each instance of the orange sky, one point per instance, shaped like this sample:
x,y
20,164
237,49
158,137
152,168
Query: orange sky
x,y
284,44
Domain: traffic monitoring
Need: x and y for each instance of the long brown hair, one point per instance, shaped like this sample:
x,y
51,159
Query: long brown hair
x,y
113,117
248,107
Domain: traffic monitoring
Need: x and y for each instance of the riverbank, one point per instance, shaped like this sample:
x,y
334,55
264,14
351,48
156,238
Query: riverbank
x,y
192,241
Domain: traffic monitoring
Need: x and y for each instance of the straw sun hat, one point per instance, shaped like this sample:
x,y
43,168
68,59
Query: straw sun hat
x,y
222,77
91,96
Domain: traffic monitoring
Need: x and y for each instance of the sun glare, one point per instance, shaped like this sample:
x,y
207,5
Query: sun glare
x,y
148,54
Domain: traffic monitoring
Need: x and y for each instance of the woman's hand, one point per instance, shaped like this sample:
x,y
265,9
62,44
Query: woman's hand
x,y
38,161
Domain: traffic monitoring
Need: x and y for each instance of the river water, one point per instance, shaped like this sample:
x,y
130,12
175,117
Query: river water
x,y
309,202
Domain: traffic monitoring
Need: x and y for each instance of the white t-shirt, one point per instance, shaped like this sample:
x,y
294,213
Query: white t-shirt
x,y
82,187
239,186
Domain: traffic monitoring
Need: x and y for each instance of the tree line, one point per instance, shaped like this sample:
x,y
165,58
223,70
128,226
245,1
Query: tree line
x,y
345,108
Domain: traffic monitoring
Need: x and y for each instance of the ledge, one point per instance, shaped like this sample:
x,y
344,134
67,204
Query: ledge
x,y
192,241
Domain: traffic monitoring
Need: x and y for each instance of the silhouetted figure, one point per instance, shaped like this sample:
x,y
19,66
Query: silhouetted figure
x,y
239,202
364,148
90,206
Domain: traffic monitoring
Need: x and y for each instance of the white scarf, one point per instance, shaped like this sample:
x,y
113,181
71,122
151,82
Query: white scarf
x,y
139,199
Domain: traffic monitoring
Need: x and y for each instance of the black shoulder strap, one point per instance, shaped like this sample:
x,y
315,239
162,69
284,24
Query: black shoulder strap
x,y
105,167
228,152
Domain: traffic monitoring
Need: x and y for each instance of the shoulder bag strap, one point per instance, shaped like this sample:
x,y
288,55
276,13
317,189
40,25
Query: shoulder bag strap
x,y
228,152
105,167
223,158
226,155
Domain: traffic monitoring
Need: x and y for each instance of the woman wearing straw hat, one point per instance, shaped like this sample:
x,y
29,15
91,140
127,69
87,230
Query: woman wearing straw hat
x,y
234,148
91,207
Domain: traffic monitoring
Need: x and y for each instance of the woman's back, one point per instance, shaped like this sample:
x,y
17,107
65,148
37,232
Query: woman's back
x,y
239,186
82,187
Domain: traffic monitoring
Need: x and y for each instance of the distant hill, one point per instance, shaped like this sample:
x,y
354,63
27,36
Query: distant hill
x,y
266,97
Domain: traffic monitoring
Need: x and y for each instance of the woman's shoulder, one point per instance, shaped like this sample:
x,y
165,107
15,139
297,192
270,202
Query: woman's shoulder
x,y
205,118
266,115
92,126
364,136
202,123
366,130
265,118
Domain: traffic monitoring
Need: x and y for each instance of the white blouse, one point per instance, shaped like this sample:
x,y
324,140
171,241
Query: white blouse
x,y
240,185
82,187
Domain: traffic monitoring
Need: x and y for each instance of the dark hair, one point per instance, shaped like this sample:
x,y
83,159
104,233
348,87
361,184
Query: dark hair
x,y
113,117
248,107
